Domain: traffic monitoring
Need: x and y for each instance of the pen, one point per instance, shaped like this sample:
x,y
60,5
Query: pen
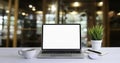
x,y
94,51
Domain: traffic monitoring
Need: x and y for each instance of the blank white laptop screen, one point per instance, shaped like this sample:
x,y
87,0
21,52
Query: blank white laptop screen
x,y
61,36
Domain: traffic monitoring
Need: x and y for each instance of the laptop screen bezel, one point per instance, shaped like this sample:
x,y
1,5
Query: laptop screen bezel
x,y
60,50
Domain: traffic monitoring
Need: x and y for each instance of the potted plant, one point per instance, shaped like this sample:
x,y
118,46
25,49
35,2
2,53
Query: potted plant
x,y
96,35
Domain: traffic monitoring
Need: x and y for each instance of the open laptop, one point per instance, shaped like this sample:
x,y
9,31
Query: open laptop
x,y
61,41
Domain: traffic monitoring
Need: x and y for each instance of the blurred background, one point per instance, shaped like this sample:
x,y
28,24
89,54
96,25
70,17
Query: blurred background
x,y
21,20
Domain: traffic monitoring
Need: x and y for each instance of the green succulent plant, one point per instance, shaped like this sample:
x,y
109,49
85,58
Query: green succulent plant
x,y
96,32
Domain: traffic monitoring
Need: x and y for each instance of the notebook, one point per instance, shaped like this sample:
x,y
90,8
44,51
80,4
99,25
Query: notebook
x,y
61,41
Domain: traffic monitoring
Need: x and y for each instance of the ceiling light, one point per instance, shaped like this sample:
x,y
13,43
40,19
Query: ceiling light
x,y
76,4
33,9
39,12
100,4
99,12
53,8
23,13
61,13
7,11
74,12
30,6
118,14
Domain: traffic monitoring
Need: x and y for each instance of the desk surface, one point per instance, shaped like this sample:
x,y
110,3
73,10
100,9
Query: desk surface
x,y
11,55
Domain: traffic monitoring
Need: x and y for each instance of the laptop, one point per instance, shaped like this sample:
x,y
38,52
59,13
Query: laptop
x,y
61,41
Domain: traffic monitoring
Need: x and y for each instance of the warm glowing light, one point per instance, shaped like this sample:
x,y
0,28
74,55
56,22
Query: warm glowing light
x,y
33,9
53,8
76,4
23,13
61,13
118,14
30,6
39,12
100,4
74,12
99,12
111,14
7,11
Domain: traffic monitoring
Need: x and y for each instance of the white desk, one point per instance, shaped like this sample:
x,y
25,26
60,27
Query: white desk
x,y
9,55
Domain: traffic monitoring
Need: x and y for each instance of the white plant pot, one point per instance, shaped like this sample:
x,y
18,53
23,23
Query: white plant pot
x,y
96,44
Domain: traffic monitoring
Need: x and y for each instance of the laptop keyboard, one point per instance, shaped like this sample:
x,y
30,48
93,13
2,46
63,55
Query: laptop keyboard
x,y
58,54
61,55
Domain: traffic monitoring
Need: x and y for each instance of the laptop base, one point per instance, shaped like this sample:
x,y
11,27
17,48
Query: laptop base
x,y
61,56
